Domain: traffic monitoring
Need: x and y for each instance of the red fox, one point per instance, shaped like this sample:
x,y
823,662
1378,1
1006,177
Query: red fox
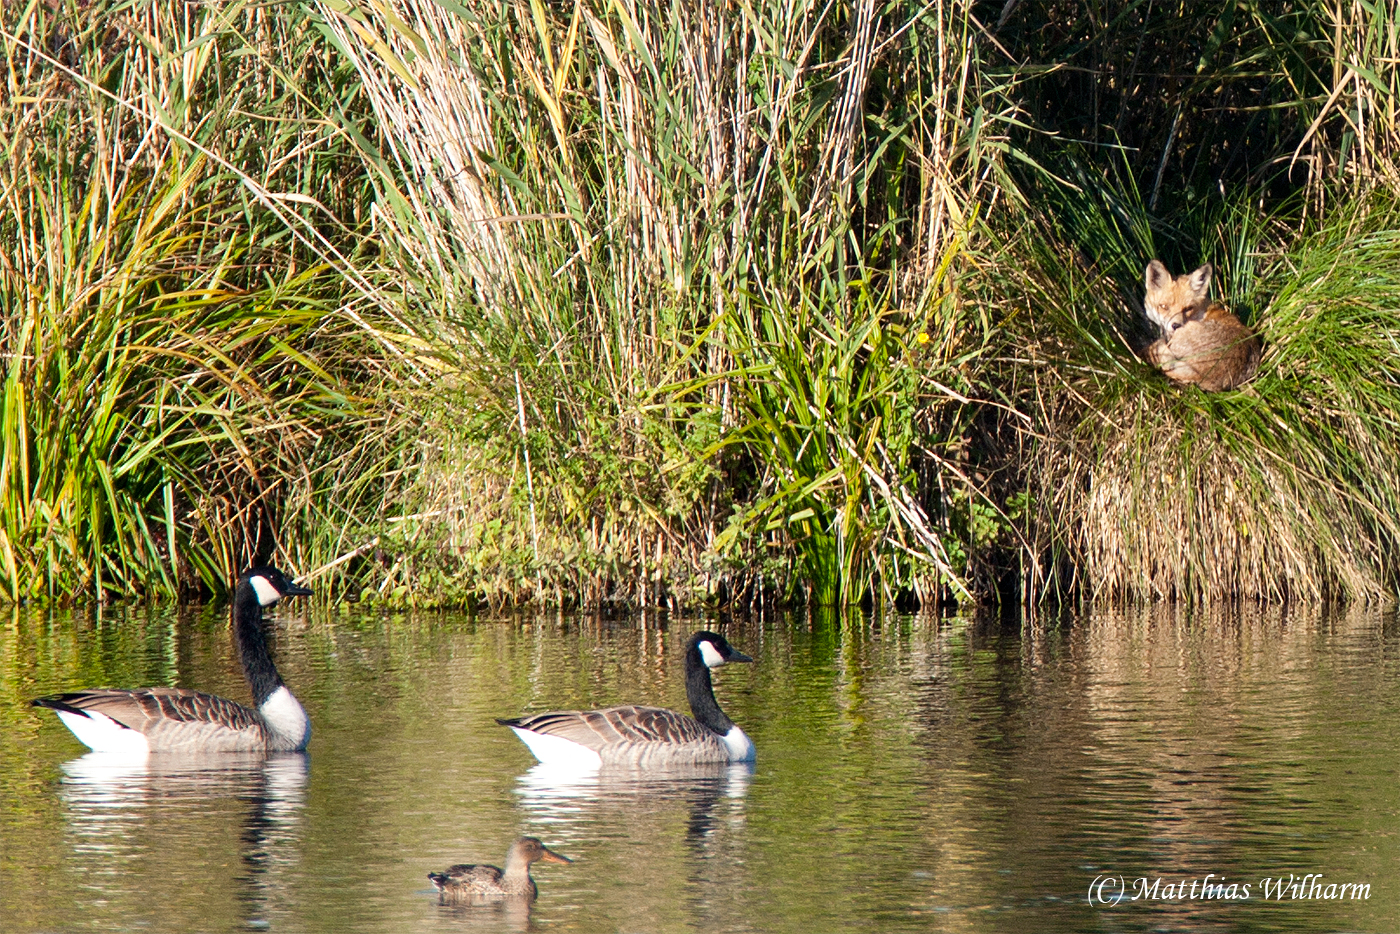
x,y
1201,342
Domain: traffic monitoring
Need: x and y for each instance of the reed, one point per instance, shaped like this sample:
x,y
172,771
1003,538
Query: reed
x,y
176,367
630,232
613,304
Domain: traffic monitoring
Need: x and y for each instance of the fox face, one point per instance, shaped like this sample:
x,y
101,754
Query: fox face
x,y
1172,301
1202,343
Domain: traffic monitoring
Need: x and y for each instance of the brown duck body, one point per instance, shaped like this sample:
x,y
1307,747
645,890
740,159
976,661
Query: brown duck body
x,y
469,882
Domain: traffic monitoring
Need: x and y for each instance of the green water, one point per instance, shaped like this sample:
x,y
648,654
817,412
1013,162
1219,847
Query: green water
x,y
913,774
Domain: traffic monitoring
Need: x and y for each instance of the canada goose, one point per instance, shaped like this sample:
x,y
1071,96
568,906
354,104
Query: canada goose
x,y
649,737
176,720
470,882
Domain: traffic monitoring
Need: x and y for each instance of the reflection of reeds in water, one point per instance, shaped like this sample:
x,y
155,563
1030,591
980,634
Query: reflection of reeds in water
x,y
206,820
1152,741
1177,695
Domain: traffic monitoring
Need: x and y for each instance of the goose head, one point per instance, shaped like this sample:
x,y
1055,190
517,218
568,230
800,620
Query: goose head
x,y
272,585
715,651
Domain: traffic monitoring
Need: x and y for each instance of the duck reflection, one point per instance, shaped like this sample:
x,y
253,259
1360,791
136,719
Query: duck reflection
x,y
491,914
184,811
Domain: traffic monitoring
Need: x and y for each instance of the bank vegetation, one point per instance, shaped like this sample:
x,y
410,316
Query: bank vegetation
x,y
608,304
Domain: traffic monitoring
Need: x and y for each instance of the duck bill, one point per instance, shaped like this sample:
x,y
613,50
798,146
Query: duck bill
x,y
552,857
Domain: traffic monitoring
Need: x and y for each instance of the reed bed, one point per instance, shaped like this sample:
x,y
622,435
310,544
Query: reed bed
x,y
658,253
608,304
179,368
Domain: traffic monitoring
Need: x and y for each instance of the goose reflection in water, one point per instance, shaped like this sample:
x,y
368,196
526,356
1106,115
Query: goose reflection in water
x,y
627,817
566,796
123,809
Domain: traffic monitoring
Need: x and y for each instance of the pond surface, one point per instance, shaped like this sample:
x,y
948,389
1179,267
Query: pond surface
x,y
913,774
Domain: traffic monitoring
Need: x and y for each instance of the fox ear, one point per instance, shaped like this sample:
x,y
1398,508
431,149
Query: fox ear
x,y
1200,279
1157,276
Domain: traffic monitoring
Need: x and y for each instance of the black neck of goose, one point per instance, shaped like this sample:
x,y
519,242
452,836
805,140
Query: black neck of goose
x,y
251,644
702,693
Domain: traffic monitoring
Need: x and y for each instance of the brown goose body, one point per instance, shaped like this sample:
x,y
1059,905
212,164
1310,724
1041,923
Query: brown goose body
x,y
173,719
631,735
177,720
645,737
467,882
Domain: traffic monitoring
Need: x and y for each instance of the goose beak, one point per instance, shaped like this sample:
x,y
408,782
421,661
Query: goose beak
x,y
296,590
552,857
736,656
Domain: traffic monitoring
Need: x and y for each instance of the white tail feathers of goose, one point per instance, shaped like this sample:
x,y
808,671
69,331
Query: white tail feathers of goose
x,y
101,733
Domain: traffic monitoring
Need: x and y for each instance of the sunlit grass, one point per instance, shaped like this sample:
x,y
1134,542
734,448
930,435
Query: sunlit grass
x,y
177,368
1284,489
671,376
613,304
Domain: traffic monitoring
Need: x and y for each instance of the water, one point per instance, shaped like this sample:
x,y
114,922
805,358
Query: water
x,y
914,774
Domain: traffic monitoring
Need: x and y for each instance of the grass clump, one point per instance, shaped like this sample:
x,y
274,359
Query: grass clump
x,y
1284,489
659,255
1192,134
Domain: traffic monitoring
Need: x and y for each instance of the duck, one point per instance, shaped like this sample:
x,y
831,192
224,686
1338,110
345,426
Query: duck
x,y
146,720
469,882
646,737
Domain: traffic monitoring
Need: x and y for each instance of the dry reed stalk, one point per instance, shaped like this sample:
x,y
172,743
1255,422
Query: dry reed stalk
x,y
602,185
1161,517
1361,107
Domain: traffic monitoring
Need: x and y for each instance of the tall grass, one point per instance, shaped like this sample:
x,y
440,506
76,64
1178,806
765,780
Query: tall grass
x,y
615,303
632,230
1196,99
175,366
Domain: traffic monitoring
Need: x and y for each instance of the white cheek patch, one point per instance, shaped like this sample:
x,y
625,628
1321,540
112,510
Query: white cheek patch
x,y
267,594
711,655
